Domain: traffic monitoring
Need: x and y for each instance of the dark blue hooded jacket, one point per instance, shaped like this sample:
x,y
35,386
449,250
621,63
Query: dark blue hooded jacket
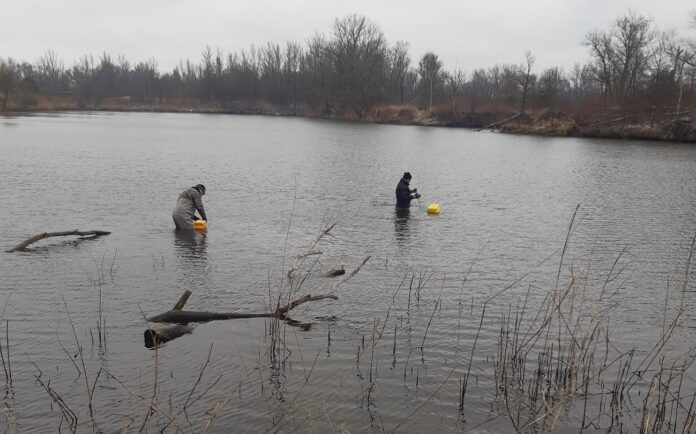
x,y
403,194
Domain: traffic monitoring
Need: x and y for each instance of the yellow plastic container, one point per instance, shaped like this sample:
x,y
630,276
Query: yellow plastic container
x,y
200,225
434,208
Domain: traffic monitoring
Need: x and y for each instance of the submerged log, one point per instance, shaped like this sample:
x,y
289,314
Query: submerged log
x,y
178,316
178,320
335,272
89,234
182,300
159,335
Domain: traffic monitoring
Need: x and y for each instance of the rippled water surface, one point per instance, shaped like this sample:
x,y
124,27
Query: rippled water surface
x,y
273,183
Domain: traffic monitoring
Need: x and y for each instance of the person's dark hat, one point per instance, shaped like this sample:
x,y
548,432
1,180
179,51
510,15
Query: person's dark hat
x,y
407,175
200,187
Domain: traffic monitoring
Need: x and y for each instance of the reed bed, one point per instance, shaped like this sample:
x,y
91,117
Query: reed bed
x,y
541,357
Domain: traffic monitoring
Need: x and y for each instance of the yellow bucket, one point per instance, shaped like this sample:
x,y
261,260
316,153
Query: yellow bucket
x,y
200,225
434,208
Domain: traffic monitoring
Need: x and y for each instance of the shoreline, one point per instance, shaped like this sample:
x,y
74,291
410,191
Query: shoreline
x,y
544,122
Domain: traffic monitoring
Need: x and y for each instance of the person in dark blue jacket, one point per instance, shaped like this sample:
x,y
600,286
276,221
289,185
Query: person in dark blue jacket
x,y
404,194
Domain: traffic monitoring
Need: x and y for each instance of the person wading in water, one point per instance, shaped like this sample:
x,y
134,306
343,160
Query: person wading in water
x,y
404,195
190,201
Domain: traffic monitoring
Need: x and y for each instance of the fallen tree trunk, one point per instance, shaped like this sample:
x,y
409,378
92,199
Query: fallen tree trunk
x,y
178,320
157,336
178,316
608,122
499,123
24,244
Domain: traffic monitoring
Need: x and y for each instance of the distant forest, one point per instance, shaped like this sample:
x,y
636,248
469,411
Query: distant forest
x,y
353,70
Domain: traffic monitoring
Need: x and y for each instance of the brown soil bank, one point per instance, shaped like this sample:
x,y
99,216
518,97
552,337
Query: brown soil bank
x,y
546,122
552,123
633,127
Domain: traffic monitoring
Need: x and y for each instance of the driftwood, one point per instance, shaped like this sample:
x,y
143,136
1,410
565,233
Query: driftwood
x,y
608,122
85,234
178,320
335,272
158,336
499,123
572,121
350,276
188,316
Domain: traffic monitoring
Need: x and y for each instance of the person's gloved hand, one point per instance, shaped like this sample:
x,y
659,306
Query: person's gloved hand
x,y
417,196
415,190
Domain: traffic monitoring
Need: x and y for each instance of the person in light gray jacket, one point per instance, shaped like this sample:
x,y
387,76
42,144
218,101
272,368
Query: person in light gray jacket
x,y
189,201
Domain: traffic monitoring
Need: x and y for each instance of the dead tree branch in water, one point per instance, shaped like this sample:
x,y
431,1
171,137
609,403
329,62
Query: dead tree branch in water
x,y
84,234
350,276
179,319
499,123
184,317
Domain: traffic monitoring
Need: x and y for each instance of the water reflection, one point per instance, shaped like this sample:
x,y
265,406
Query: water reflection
x,y
191,246
401,225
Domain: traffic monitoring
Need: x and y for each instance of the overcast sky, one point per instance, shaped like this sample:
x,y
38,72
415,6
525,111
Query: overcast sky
x,y
466,34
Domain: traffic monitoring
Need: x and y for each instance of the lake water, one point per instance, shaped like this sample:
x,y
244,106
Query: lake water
x,y
272,184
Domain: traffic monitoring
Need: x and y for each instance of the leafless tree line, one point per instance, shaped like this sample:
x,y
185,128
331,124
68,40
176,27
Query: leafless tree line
x,y
353,69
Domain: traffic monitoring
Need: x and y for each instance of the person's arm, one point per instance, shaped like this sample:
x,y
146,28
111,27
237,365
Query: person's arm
x,y
198,202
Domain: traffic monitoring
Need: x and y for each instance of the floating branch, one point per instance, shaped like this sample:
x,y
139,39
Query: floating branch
x,y
159,335
350,276
179,319
85,234
335,272
178,316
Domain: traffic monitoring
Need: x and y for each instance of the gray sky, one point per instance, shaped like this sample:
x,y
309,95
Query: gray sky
x,y
466,34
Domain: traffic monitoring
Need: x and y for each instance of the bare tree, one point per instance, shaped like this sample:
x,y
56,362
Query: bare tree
x,y
633,33
399,62
478,88
552,86
580,81
271,60
7,80
317,72
621,55
354,68
525,78
601,50
106,77
454,83
292,73
359,52
83,76
430,72
145,78
207,64
51,68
